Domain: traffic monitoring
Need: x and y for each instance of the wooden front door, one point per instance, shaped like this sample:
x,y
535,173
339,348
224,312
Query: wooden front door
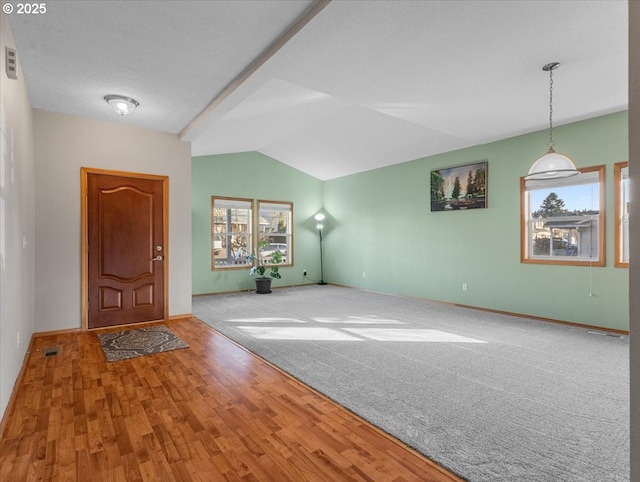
x,y
125,248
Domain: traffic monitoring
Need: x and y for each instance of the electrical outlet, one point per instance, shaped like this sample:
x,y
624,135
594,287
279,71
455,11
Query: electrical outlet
x,y
304,272
18,340
464,286
364,274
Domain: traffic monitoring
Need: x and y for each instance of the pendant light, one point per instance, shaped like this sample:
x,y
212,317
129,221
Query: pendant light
x,y
552,165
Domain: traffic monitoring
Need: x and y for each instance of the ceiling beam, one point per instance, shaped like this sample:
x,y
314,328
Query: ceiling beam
x,y
315,8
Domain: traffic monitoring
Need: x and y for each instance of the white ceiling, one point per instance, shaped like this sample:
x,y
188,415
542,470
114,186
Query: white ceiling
x,y
362,85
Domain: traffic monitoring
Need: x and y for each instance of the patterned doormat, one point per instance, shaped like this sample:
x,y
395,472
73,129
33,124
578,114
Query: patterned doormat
x,y
122,345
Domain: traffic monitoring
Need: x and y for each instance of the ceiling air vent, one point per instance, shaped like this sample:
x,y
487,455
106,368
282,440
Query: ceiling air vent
x,y
11,63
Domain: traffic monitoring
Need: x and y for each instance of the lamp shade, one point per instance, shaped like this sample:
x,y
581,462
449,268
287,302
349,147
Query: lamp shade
x,y
120,104
551,166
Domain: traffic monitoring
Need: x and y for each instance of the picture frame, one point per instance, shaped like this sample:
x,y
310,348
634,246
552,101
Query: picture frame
x,y
459,187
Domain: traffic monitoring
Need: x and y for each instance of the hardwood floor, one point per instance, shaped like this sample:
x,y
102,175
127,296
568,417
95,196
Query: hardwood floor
x,y
210,412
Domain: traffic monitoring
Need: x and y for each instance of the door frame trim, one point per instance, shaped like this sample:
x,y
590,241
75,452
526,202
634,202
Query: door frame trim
x,y
84,244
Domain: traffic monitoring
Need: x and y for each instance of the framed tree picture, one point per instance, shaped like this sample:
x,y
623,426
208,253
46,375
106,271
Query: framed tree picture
x,y
459,187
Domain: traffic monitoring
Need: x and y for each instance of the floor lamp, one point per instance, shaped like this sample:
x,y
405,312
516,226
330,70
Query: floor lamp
x,y
319,217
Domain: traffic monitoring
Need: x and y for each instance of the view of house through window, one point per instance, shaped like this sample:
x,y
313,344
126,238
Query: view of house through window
x,y
275,227
231,228
621,194
563,219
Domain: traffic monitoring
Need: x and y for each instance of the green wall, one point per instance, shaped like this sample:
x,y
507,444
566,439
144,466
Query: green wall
x,y
380,225
382,236
254,176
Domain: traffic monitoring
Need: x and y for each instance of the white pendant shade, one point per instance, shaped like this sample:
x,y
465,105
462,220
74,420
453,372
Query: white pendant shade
x,y
121,105
552,166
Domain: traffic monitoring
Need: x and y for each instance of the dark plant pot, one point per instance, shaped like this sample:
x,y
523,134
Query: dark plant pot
x,y
263,286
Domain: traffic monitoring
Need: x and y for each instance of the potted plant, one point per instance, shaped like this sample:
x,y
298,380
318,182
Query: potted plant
x,y
263,268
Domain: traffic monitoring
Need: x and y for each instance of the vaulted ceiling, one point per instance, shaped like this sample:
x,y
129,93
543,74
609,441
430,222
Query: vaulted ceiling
x,y
331,87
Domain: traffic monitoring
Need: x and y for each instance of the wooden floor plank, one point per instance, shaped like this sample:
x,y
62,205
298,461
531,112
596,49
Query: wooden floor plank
x,y
212,411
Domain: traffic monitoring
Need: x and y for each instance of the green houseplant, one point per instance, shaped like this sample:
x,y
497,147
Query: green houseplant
x,y
263,268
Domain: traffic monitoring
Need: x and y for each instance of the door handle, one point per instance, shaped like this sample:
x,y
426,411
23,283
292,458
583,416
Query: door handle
x,y
157,258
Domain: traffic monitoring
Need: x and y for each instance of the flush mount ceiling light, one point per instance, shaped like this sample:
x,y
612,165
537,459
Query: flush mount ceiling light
x,y
552,165
120,104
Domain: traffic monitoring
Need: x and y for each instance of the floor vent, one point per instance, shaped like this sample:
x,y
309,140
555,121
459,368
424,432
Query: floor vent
x,y
604,333
51,351
594,332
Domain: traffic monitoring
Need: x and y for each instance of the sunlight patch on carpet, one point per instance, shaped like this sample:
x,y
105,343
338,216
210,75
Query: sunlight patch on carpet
x,y
403,334
266,320
290,333
355,334
360,320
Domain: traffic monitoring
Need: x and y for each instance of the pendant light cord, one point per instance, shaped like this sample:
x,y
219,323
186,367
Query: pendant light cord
x,y
550,68
551,143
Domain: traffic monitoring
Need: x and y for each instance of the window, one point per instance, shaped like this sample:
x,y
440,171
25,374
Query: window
x,y
231,228
275,227
621,199
562,220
